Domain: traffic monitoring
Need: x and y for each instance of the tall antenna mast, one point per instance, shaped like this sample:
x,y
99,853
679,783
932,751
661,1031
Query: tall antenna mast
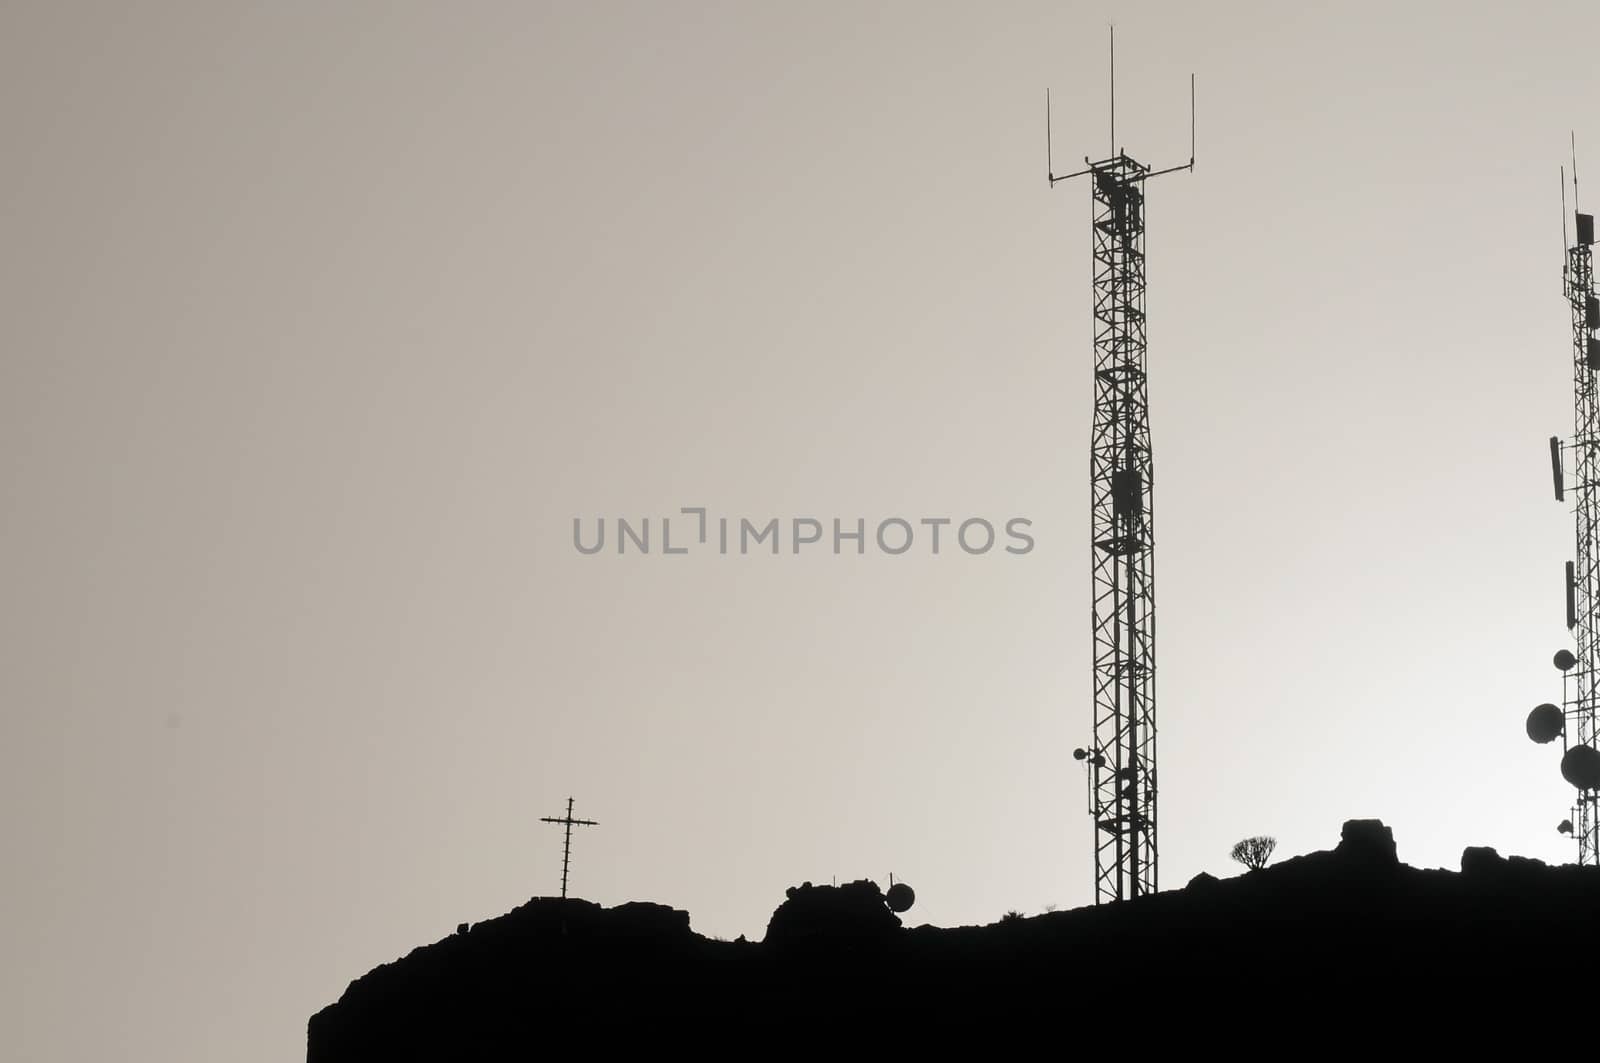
x,y
1121,760
1577,721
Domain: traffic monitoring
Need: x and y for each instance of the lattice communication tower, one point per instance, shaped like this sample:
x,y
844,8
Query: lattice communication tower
x,y
1121,759
1577,721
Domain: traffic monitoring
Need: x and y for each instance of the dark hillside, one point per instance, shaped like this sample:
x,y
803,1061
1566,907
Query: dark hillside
x,y
1328,938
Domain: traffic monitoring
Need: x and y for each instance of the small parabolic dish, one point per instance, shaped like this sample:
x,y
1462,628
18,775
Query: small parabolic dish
x,y
1564,660
1545,723
1564,827
1581,767
900,897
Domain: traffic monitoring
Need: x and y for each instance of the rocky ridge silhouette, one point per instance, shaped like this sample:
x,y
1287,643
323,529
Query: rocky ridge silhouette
x,y
1300,941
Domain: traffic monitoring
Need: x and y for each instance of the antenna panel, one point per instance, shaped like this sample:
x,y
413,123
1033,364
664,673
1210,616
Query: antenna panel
x,y
1572,600
1555,471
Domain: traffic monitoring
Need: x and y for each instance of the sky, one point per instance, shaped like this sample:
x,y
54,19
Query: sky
x,y
322,323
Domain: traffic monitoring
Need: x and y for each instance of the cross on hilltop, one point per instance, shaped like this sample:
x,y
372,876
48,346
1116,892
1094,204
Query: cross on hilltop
x,y
566,848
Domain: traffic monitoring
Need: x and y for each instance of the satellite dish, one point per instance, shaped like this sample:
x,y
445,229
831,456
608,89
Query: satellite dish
x,y
900,897
1079,754
1581,767
1564,827
1564,660
1546,723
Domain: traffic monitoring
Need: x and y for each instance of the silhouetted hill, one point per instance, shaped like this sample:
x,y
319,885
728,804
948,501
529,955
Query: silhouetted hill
x,y
1314,943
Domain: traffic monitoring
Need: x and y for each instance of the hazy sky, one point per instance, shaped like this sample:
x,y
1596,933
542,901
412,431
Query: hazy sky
x,y
321,323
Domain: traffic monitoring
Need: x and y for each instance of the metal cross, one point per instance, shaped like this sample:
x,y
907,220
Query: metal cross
x,y
566,848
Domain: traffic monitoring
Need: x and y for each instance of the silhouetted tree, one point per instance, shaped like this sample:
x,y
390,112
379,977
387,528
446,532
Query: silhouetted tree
x,y
1254,853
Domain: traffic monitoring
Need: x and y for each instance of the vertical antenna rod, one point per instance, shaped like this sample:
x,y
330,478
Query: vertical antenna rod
x,y
1050,160
1121,760
566,846
1565,266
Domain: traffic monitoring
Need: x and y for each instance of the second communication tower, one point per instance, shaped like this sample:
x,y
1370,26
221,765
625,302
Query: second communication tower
x,y
1577,720
1121,759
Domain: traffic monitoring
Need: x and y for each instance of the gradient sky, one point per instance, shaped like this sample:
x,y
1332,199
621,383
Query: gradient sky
x,y
322,322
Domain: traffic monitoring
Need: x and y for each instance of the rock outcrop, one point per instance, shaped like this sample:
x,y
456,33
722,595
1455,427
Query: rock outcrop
x,y
856,913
